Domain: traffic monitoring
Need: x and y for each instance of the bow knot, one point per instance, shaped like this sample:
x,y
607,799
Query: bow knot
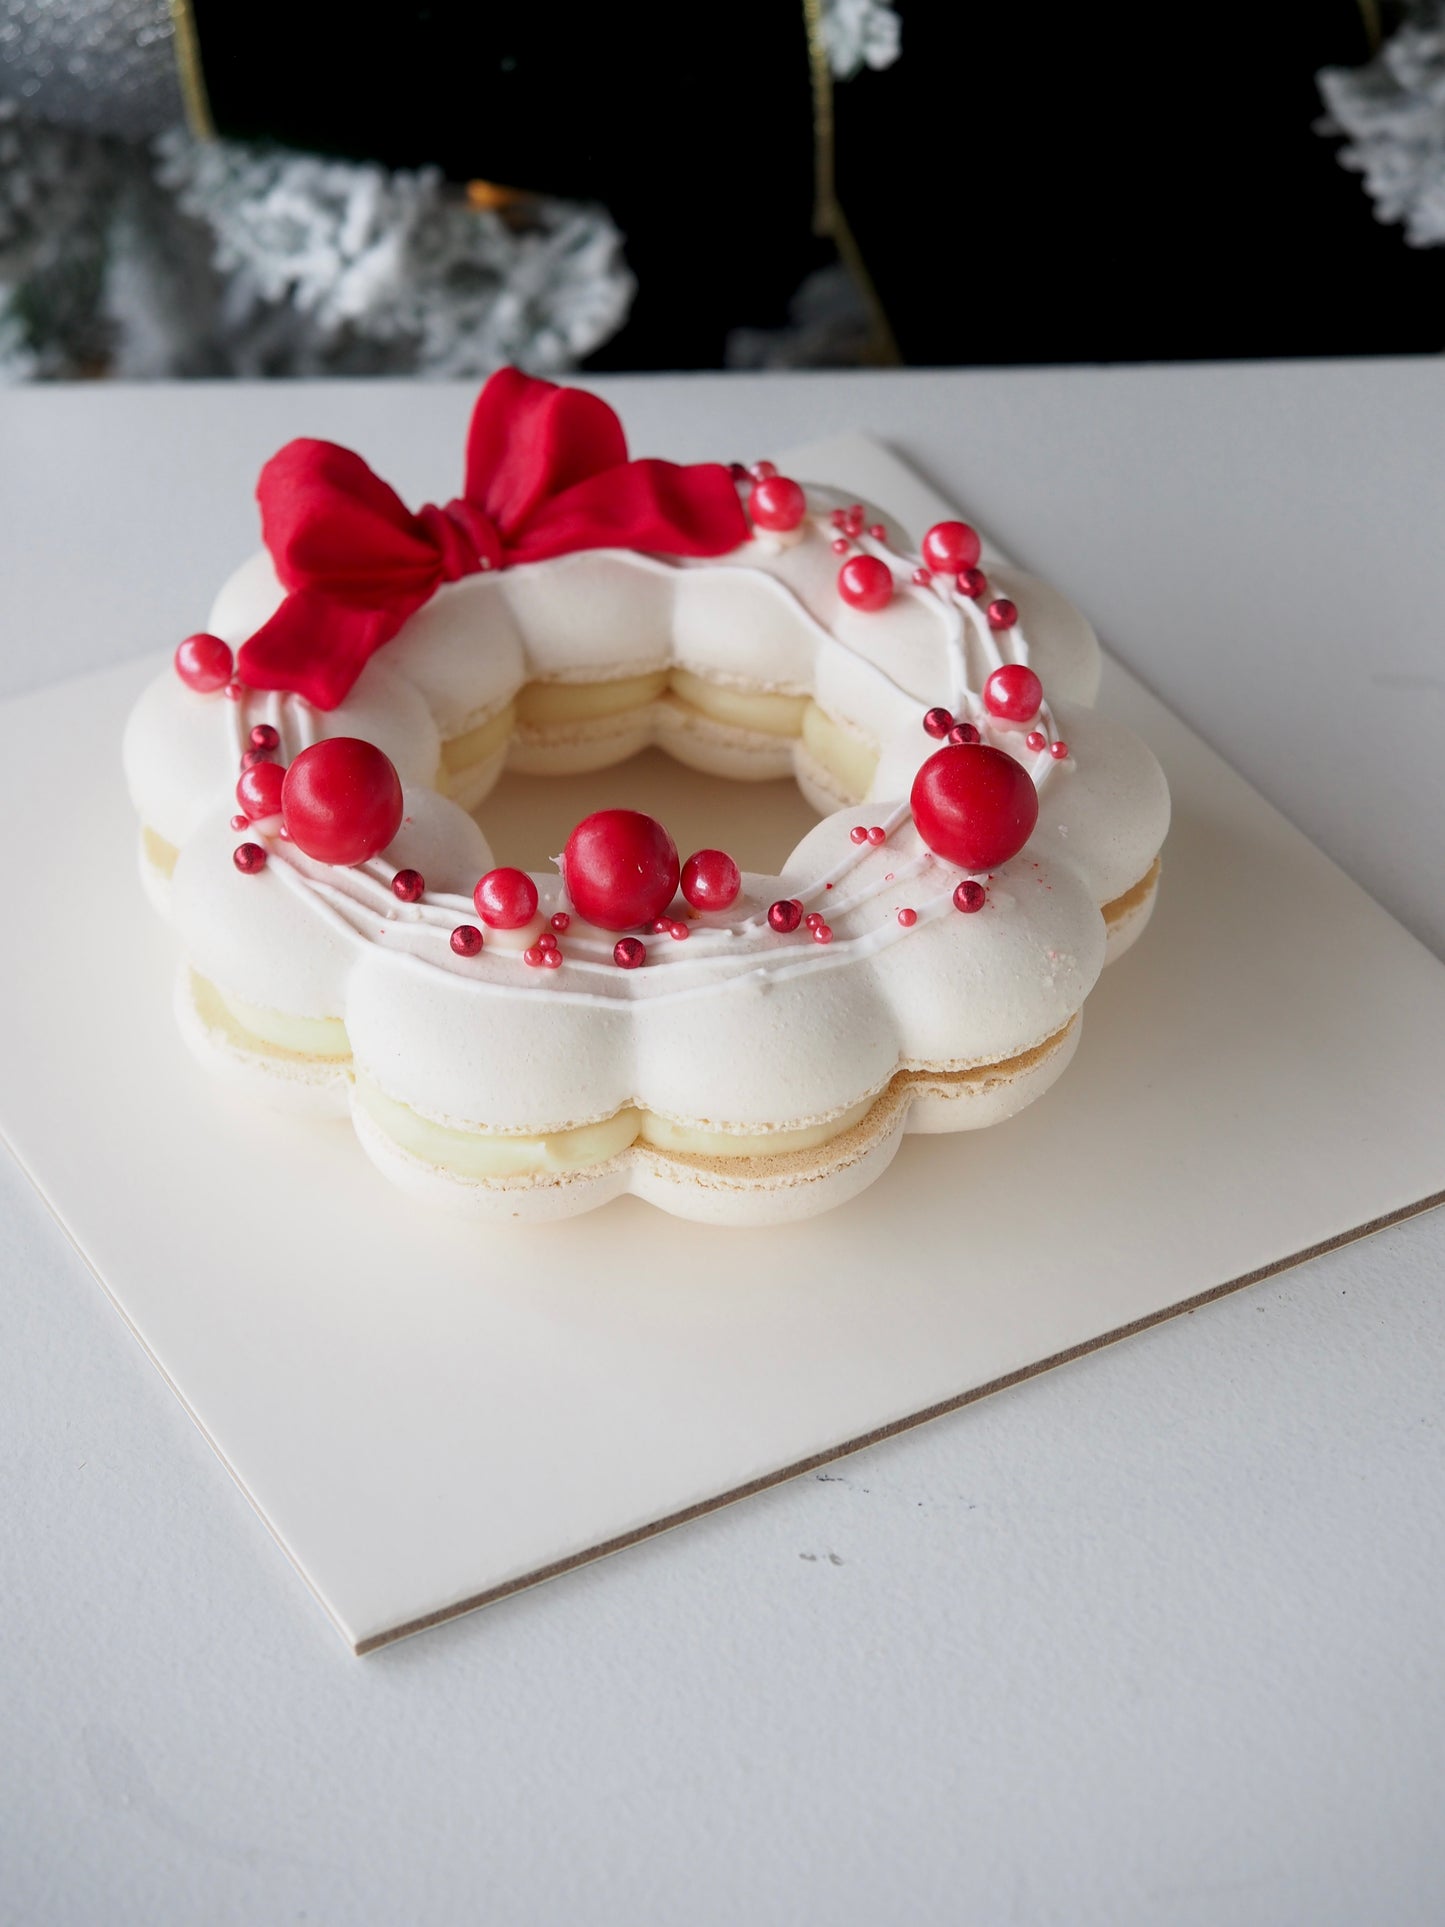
x,y
547,474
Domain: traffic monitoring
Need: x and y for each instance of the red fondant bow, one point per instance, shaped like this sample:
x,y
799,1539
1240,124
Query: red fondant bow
x,y
547,474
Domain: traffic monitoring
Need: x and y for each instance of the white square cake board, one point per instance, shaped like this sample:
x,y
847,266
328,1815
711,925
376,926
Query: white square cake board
x,y
428,1415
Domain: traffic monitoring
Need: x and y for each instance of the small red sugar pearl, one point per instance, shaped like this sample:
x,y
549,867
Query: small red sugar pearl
x,y
838,518
547,941
821,933
250,757
679,932
969,895
778,504
552,959
265,737
878,532
534,955
204,663
841,545
711,880
865,583
259,790
922,578
1013,693
1058,751
785,915
408,885
951,546
858,834
249,858
938,720
660,926
908,918
763,471
1001,613
561,920
973,583
814,918
629,953
877,834
505,899
240,822
963,733
1035,740
854,520
466,940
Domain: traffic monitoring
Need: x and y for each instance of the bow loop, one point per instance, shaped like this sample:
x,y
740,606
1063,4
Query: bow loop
x,y
547,474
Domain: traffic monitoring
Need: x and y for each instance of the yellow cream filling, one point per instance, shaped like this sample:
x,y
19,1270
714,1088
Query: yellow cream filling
x,y
544,703
494,1154
303,1036
845,756
159,854
478,745
761,710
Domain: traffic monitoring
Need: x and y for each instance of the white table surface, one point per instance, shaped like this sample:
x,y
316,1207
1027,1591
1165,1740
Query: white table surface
x,y
1156,1637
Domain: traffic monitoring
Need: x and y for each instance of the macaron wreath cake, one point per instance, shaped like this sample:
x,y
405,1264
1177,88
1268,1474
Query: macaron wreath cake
x,y
736,1048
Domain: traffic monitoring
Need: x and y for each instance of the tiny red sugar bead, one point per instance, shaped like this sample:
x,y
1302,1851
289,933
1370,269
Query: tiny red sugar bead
x,y
561,920
778,504
679,932
853,521
234,692
963,733
858,834
466,940
629,953
969,895
973,583
250,757
785,915
878,532
505,899
204,663
938,721
1013,693
821,933
249,858
865,583
838,518
534,955
1058,751
552,958
265,736
922,577
1035,740
1001,613
240,822
951,546
814,918
547,941
763,471
877,834
908,918
408,886
841,545
711,880
660,926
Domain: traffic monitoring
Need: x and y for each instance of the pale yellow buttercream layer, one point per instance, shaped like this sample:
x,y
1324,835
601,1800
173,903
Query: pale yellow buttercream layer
x,y
850,759
543,703
302,1036
478,745
765,711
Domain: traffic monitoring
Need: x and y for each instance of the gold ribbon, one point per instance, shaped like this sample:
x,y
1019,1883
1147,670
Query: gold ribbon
x,y
188,68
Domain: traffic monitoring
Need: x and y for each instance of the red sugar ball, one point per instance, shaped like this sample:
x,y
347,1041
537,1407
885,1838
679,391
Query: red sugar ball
x,y
259,790
878,532
813,919
1058,751
969,896
841,545
204,663
620,868
711,880
264,736
908,918
786,914
951,546
963,733
1001,613
1035,740
561,920
853,520
857,834
763,471
534,955
973,583
778,503
234,692
922,577
505,899
552,959
341,800
1013,693
877,834
821,933
249,858
240,822
866,583
629,954
408,885
547,941
938,721
974,805
467,940
679,932
250,757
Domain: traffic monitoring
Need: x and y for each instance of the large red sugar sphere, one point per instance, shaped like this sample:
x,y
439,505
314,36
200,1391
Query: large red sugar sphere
x,y
620,868
204,663
341,800
974,805
506,899
778,503
951,546
259,790
711,880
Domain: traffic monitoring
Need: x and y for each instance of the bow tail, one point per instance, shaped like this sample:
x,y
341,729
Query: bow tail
x,y
660,508
316,645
